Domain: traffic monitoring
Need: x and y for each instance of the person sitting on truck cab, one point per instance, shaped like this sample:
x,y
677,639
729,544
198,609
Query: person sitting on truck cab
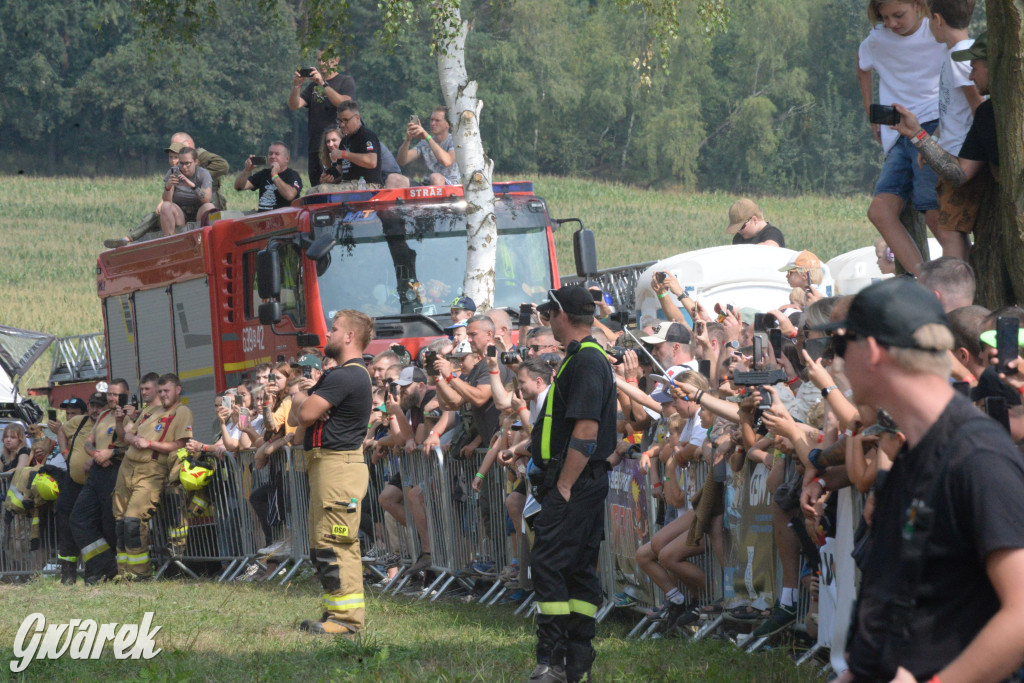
x,y
277,185
436,148
188,193
359,157
217,167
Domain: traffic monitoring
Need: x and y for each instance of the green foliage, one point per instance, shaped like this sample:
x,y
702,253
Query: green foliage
x,y
743,96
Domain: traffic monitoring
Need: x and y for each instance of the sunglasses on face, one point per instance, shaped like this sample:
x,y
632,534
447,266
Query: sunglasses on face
x,y
841,341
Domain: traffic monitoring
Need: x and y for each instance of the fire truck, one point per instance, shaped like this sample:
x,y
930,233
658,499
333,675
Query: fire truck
x,y
211,304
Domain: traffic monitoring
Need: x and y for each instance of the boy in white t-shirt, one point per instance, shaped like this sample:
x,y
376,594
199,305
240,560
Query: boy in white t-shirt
x,y
958,96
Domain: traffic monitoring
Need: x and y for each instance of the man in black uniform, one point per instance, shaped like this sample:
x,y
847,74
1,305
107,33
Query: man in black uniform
x,y
335,415
569,449
358,157
941,597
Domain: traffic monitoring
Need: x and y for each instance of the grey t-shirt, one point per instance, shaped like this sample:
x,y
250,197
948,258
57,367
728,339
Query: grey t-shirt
x,y
186,196
450,173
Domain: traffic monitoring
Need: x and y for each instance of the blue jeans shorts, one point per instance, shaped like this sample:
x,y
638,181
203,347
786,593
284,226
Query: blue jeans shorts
x,y
902,176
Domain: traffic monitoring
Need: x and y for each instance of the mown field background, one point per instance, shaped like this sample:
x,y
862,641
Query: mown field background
x,y
54,229
246,632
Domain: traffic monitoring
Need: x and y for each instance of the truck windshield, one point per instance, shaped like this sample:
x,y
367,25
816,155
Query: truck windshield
x,y
411,258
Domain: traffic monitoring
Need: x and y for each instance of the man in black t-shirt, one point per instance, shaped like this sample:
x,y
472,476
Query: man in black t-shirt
x,y
475,388
980,146
748,226
326,90
954,498
277,185
570,445
335,415
358,157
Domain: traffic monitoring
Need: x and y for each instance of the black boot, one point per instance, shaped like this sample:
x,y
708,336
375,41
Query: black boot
x,y
68,573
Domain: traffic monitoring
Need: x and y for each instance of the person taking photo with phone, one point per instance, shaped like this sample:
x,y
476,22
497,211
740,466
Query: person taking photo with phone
x,y
436,148
325,89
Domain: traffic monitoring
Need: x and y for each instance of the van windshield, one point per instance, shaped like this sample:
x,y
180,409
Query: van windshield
x,y
411,258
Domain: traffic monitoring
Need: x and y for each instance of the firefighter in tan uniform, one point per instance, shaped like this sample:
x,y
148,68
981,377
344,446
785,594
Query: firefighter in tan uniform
x,y
71,436
335,414
92,518
153,439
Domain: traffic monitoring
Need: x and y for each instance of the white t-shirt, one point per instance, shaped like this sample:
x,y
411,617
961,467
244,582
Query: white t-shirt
x,y
955,115
538,406
908,72
692,432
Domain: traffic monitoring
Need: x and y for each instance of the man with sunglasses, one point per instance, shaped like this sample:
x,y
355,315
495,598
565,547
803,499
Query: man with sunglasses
x,y
941,597
570,445
540,340
359,155
748,226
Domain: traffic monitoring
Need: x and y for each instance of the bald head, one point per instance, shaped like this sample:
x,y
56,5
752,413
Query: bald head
x,y
502,323
183,139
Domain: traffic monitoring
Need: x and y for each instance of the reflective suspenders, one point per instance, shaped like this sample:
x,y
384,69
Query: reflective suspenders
x,y
549,403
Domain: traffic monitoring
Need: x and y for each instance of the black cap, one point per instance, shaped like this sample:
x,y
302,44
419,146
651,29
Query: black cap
x,y
573,300
891,311
76,403
989,384
98,399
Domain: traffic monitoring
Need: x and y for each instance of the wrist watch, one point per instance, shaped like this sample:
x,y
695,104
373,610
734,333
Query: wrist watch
x,y
828,390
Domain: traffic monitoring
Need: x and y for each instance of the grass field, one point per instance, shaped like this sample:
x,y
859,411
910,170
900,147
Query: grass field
x,y
54,229
246,632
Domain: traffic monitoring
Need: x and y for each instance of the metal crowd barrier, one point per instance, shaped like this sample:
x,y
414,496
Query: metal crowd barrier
x,y
620,281
17,558
464,528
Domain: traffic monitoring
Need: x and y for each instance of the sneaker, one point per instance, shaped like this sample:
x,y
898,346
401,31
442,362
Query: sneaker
x,y
383,583
272,549
624,600
250,574
780,618
116,242
484,568
422,562
680,614
375,555
518,595
546,673
658,613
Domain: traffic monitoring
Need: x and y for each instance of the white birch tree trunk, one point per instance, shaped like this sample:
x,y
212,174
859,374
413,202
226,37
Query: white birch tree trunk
x,y
475,167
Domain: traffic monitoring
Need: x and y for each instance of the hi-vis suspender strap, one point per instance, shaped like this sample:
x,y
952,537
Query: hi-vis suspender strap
x,y
549,403
356,362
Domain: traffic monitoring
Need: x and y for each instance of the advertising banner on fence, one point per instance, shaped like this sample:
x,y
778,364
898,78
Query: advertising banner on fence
x,y
629,527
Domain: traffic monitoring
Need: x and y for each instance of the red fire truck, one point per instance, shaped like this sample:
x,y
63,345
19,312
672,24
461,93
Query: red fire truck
x,y
192,303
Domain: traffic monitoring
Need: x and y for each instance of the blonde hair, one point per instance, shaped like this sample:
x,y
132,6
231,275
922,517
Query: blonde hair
x,y
797,296
17,430
932,357
675,423
695,378
875,6
358,322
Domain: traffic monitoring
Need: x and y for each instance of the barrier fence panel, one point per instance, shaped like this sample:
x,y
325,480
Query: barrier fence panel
x,y
20,555
296,496
214,529
388,543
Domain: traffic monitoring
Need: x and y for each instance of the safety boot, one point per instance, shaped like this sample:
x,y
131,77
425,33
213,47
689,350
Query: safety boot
x,y
546,673
68,573
327,627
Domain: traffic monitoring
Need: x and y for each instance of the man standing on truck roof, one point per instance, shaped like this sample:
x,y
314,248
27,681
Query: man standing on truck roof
x,y
277,185
327,89
153,440
214,164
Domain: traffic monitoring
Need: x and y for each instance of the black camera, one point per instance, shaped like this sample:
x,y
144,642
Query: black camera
x,y
306,71
617,353
883,114
513,357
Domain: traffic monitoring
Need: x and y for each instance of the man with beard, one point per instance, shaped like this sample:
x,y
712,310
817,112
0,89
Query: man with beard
x,y
335,415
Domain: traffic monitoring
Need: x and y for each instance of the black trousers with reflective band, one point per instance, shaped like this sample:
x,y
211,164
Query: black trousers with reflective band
x,y
567,541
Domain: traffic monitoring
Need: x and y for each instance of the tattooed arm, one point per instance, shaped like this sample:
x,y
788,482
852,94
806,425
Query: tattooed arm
x,y
953,169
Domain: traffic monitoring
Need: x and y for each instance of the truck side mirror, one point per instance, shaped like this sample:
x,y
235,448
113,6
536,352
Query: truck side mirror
x,y
268,275
270,313
584,252
320,247
308,340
